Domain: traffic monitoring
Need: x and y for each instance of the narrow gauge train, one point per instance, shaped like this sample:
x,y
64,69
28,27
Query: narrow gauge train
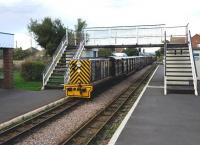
x,y
85,73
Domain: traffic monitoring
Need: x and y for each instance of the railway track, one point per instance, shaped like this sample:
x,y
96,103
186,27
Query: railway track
x,y
13,134
87,133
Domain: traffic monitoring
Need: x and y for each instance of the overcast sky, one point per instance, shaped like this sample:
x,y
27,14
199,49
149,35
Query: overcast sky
x,y
16,14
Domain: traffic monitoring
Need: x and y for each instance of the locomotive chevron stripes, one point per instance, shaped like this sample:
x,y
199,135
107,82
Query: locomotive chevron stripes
x,y
80,72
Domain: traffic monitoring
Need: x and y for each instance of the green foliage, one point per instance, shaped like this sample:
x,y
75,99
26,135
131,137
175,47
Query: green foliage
x,y
1,53
32,71
79,29
20,83
104,52
80,25
20,54
131,51
158,53
48,33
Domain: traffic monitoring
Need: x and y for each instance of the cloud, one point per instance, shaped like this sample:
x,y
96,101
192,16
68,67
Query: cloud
x,y
17,13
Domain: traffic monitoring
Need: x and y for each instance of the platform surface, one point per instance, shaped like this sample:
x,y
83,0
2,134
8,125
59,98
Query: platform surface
x,y
173,119
16,102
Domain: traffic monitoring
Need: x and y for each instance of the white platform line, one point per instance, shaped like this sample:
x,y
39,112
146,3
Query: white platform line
x,y
123,123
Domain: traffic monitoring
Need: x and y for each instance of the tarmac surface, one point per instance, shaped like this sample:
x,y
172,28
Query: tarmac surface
x,y
173,119
17,102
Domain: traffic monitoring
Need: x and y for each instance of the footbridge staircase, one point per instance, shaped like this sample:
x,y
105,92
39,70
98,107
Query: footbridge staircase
x,y
180,70
56,72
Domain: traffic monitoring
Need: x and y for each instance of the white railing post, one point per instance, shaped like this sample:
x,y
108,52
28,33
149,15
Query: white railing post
x,y
136,35
192,64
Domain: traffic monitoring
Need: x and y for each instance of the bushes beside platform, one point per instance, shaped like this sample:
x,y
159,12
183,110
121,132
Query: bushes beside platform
x,y
32,70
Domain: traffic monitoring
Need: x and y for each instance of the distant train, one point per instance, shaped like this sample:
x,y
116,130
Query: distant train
x,y
85,73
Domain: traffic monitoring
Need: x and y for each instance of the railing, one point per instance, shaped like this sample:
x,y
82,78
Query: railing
x,y
76,56
194,74
56,57
127,35
165,53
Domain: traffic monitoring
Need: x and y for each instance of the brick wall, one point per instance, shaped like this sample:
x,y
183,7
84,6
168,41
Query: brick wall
x,y
8,68
195,40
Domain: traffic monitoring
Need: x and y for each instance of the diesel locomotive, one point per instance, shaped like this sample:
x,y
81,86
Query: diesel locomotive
x,y
85,73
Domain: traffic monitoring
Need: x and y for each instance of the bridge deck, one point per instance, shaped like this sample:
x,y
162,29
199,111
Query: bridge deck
x,y
135,46
173,119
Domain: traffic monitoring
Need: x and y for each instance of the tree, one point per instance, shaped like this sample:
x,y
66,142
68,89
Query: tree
x,y
158,54
79,29
48,33
105,52
131,51
20,54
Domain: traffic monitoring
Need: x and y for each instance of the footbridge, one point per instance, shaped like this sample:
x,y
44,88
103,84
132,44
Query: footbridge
x,y
179,68
135,36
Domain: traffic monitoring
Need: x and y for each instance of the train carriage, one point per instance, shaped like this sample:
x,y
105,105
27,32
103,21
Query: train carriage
x,y
85,73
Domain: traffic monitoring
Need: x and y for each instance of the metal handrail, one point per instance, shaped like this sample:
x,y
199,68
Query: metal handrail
x,y
56,57
76,56
165,52
194,74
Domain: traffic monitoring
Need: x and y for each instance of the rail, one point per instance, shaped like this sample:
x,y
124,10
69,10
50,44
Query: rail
x,y
194,74
76,56
87,133
56,57
13,133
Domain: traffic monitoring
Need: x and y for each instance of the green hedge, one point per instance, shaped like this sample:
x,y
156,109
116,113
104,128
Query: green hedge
x,y
32,70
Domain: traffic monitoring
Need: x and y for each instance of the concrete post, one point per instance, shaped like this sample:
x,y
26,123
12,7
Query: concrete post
x,y
8,68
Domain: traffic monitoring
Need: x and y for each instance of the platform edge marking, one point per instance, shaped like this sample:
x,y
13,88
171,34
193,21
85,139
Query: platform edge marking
x,y
127,117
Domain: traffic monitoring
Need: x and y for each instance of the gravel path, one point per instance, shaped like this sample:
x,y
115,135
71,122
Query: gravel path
x,y
58,130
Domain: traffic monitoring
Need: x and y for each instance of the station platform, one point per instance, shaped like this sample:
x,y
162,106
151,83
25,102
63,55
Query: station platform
x,y
14,102
157,119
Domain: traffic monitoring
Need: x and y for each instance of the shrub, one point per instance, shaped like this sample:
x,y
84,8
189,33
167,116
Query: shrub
x,y
32,71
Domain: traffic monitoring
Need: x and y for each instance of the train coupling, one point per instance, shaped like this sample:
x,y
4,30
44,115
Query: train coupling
x,y
78,90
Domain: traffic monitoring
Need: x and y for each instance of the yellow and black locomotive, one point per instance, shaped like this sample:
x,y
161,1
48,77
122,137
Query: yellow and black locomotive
x,y
85,73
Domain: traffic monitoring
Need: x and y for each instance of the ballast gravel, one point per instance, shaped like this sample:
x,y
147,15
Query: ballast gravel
x,y
61,128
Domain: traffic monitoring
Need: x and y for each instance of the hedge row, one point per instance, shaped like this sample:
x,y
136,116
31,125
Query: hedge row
x,y
32,71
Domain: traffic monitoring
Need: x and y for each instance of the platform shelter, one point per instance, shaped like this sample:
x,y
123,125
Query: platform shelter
x,y
6,49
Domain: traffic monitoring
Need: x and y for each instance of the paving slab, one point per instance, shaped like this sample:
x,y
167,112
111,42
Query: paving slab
x,y
17,102
173,119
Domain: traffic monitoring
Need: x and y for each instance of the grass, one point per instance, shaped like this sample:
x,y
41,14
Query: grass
x,y
21,84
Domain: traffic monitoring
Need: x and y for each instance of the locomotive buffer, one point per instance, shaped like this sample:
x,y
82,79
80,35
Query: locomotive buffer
x,y
79,82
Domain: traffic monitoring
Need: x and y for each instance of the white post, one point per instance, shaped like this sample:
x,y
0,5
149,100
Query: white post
x,y
137,35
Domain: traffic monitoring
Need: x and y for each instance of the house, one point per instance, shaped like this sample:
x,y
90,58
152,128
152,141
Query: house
x,y
119,50
196,41
177,40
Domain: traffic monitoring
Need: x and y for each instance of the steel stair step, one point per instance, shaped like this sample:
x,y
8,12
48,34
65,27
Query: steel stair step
x,y
177,66
178,58
175,83
171,78
50,86
57,77
177,55
178,62
179,69
178,74
180,48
